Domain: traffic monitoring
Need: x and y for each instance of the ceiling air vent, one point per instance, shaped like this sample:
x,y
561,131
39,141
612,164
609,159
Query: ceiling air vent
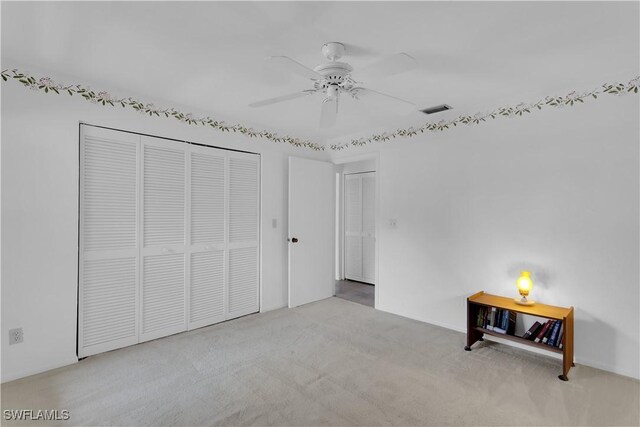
x,y
437,109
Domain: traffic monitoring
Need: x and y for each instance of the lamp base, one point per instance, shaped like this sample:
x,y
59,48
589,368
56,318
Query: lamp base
x,y
523,302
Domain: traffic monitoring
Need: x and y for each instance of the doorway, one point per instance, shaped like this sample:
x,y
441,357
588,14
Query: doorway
x,y
356,264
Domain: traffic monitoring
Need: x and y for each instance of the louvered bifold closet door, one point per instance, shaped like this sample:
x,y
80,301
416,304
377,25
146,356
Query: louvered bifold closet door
x,y
207,237
368,227
163,274
108,275
243,239
353,227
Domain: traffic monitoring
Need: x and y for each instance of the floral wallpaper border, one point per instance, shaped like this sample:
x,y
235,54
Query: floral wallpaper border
x,y
47,85
519,110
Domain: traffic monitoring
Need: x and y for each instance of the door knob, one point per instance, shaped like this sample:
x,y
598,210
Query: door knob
x,y
294,240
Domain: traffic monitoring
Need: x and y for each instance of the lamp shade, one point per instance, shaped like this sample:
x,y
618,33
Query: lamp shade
x,y
524,283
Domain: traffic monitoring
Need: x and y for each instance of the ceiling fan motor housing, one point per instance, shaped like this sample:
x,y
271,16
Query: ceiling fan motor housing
x,y
335,74
333,50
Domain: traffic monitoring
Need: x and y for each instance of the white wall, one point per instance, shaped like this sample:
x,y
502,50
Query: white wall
x,y
40,216
555,192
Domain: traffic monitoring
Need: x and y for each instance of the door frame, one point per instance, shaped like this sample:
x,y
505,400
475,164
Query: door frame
x,y
340,199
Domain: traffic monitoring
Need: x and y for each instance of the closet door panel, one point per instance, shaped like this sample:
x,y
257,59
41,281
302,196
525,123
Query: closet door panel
x,y
353,226
163,309
109,193
353,204
207,292
368,204
243,281
207,254
108,274
368,259
108,305
163,304
207,196
163,194
243,199
243,250
360,227
353,255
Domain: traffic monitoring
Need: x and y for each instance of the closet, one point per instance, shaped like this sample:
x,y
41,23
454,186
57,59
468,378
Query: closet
x,y
169,237
359,226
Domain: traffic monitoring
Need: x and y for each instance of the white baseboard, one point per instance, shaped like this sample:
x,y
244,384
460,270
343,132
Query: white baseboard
x,y
607,367
33,371
431,322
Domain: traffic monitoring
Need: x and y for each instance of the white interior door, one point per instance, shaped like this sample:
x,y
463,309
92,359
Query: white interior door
x,y
108,264
311,230
359,228
207,237
244,232
163,272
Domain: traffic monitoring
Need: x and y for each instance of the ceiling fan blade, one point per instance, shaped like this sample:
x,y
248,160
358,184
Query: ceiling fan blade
x,y
355,50
392,65
329,112
384,101
281,98
295,67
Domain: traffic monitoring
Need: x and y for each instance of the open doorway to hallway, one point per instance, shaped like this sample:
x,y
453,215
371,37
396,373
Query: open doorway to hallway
x,y
362,293
356,231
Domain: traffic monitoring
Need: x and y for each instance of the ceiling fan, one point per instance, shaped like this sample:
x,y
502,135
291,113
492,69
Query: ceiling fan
x,y
334,78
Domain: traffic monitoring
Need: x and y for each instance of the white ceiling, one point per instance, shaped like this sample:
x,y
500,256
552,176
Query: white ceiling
x,y
474,56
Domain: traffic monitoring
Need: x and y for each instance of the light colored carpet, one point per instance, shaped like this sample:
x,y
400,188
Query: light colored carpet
x,y
333,362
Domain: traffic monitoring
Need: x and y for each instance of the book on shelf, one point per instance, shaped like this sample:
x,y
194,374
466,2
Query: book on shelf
x,y
545,339
497,320
492,319
511,327
542,332
532,332
560,334
480,317
554,334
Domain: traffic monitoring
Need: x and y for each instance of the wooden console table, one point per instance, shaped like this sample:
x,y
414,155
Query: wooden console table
x,y
476,333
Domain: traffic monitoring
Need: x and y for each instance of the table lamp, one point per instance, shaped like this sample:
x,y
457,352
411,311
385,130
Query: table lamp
x,y
524,284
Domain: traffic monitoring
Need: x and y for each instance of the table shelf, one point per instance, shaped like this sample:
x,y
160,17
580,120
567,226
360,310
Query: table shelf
x,y
565,314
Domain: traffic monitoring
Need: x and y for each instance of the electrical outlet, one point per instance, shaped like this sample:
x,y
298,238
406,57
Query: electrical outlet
x,y
15,336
